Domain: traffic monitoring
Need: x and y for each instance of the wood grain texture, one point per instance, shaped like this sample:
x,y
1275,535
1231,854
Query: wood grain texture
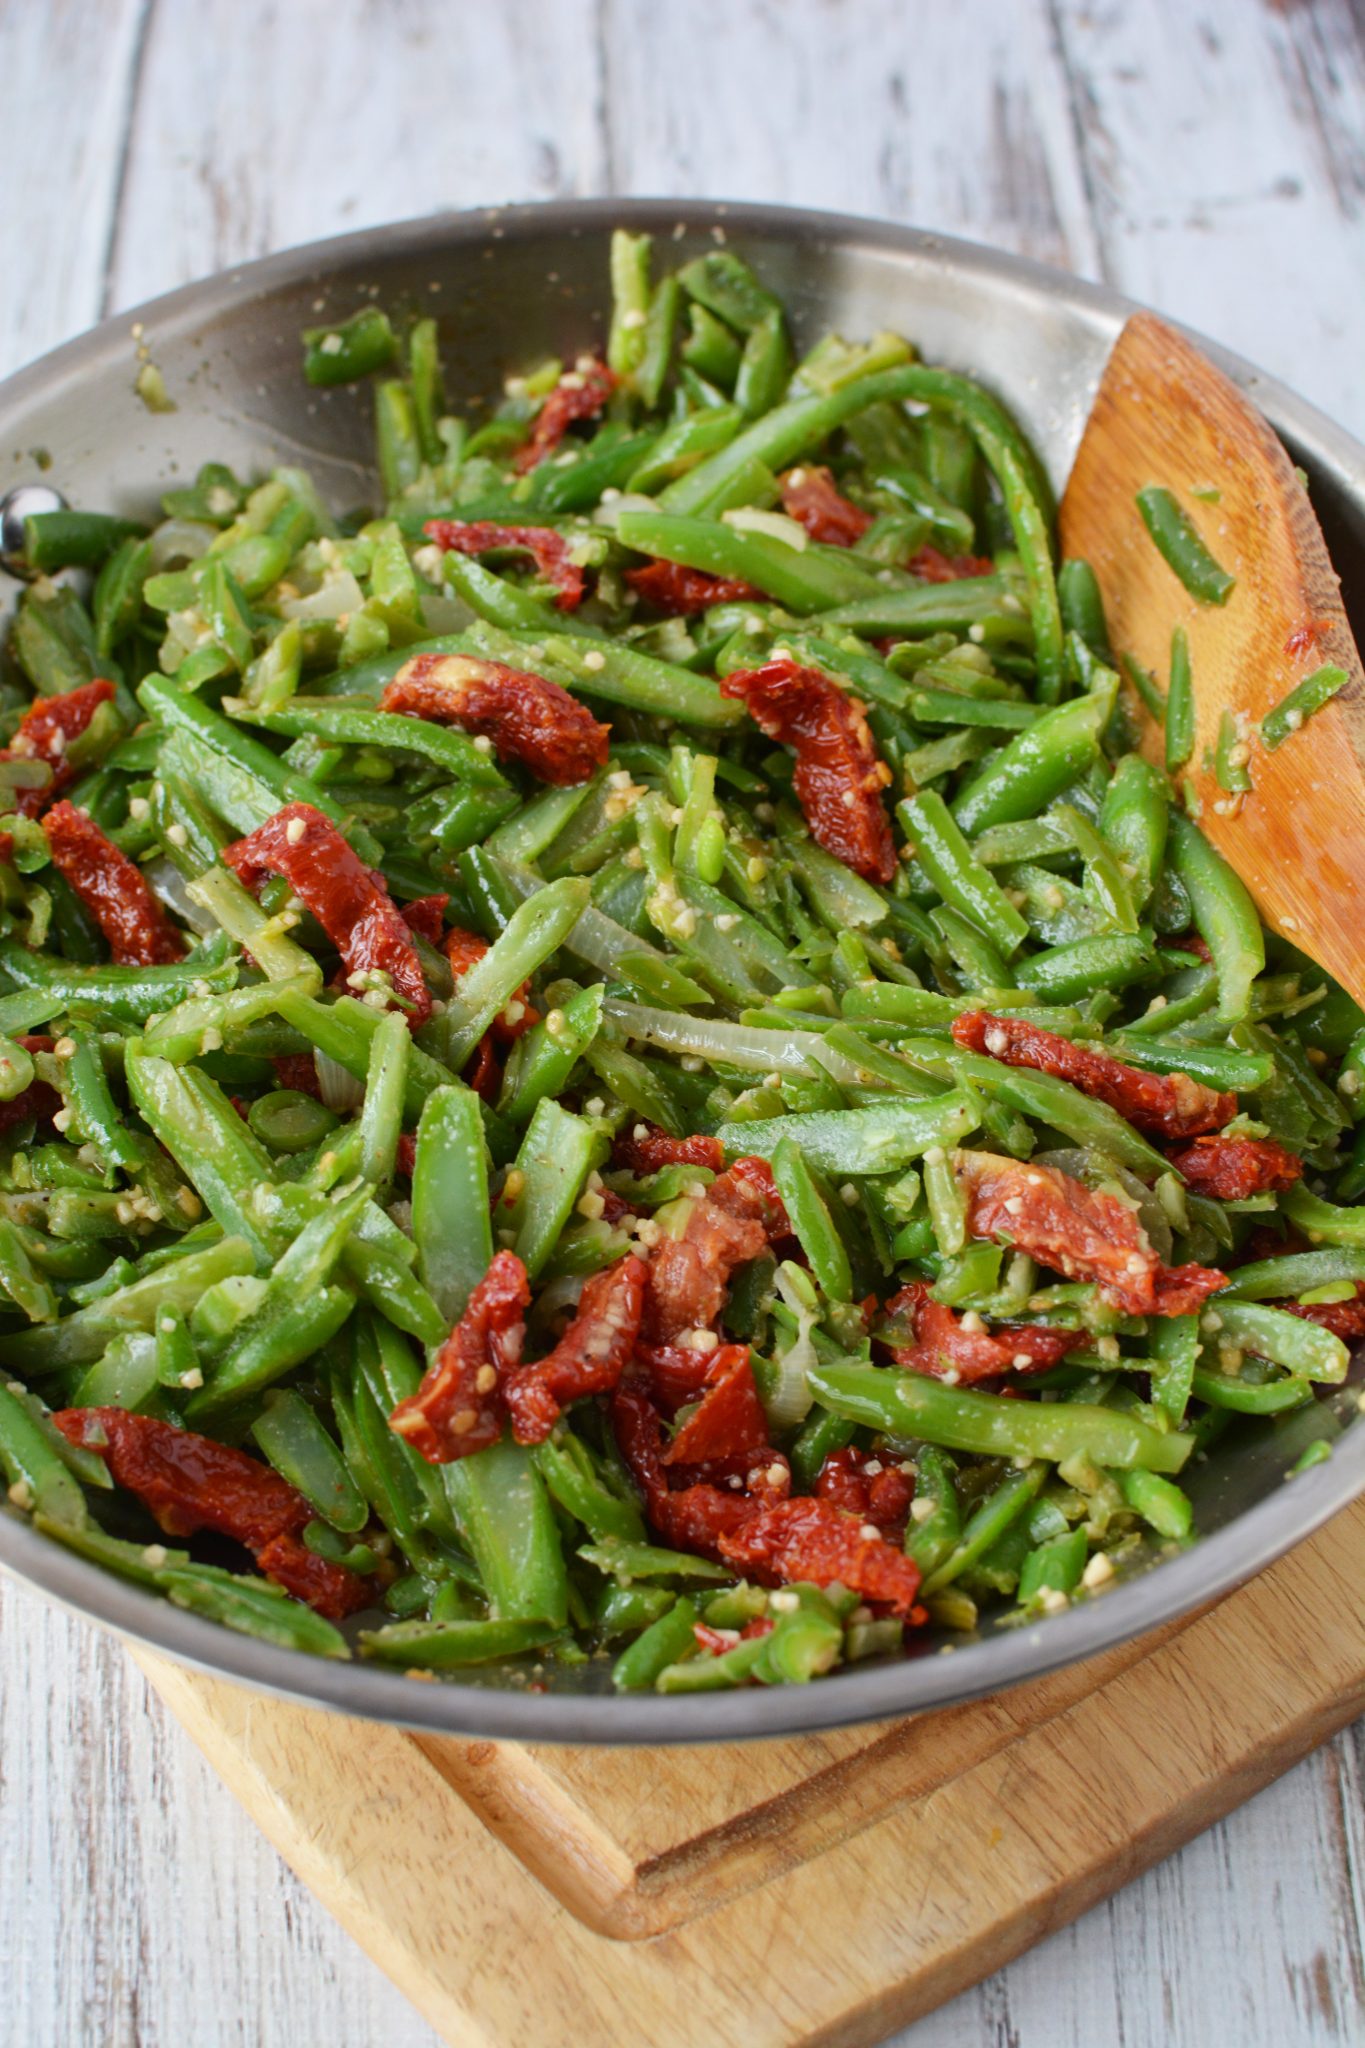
x,y
1163,414
1081,1781
138,1905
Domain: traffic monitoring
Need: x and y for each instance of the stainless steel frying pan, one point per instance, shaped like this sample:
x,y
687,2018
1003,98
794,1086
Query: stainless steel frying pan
x,y
510,286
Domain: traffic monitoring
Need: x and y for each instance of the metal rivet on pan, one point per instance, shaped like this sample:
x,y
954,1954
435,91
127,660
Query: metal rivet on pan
x,y
15,507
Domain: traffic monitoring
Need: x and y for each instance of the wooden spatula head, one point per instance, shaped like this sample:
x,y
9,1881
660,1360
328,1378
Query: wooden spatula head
x,y
1164,415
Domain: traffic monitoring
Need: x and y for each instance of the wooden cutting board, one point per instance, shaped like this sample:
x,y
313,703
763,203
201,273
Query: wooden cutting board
x,y
820,1890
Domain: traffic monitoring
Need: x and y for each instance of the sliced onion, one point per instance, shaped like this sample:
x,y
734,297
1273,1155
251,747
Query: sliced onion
x,y
773,525
790,1400
339,1088
178,541
609,511
167,883
338,596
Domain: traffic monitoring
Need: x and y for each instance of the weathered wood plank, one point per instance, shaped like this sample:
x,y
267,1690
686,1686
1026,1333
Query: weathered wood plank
x,y
951,117
1223,152
67,75
259,126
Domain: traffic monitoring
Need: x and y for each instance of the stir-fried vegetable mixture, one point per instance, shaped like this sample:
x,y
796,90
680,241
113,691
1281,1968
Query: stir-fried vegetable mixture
x,y
624,1059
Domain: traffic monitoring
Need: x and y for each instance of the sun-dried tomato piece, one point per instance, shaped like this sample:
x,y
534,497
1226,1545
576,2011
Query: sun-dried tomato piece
x,y
426,917
1305,638
459,1406
679,592
547,547
716,1641
296,1070
1233,1169
580,394
44,733
191,1482
1172,1105
673,1373
810,1540
1077,1232
729,1420
645,1149
692,1519
811,496
38,1100
839,775
729,1225
762,1474
1345,1319
588,1359
947,1346
1191,942
351,904
115,891
527,718
407,1154
867,1487
931,565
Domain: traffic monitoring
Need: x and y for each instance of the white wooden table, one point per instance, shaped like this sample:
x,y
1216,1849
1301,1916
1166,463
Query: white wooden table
x,y
1207,156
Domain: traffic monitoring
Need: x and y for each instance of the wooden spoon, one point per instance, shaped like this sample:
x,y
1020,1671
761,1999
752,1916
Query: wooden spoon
x,y
1164,415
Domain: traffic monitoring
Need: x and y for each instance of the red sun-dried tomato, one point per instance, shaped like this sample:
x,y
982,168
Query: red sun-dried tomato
x,y
1191,942
673,1373
1172,1105
407,1154
426,917
191,1482
44,733
692,1519
1345,1319
459,1406
1234,1169
547,547
714,1642
839,775
811,497
1305,637
351,904
867,1487
945,1347
527,718
931,565
1084,1235
588,1359
644,1148
679,592
810,1540
728,1421
38,1100
733,1222
580,394
296,1070
115,891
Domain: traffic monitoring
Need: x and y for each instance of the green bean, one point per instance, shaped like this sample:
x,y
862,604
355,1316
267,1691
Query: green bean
x,y
450,1217
805,579
1224,916
1159,1503
536,930
1299,704
252,1607
129,993
556,1155
910,1404
300,1449
566,1467
1178,543
74,540
350,349
629,1561
1268,1397
1064,974
37,1476
448,1645
1305,1349
1082,607
960,879
882,1138
1000,1510
659,1649
381,1120
505,1516
1037,765
811,1221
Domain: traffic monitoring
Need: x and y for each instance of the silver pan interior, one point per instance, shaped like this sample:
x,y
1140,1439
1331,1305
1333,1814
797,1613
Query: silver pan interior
x,y
510,286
